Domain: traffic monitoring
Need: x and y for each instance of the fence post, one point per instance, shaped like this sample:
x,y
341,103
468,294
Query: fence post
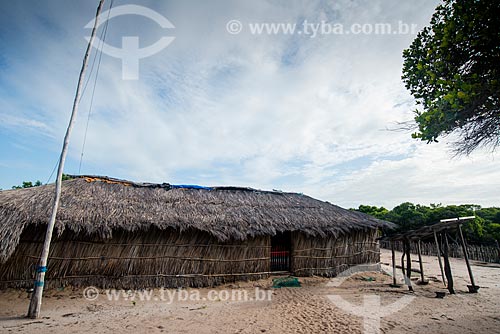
x,y
498,250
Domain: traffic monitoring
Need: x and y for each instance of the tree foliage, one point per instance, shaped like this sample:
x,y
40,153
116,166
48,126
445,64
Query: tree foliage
x,y
452,68
484,229
28,184
373,211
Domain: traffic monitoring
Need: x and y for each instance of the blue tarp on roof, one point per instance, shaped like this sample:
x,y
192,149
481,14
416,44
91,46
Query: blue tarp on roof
x,y
189,186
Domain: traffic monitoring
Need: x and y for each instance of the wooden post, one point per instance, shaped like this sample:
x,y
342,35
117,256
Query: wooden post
x,y
473,288
394,281
422,279
407,246
403,261
447,267
439,257
498,250
36,298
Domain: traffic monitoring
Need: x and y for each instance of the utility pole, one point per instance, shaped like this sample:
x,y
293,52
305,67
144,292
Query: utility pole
x,y
36,298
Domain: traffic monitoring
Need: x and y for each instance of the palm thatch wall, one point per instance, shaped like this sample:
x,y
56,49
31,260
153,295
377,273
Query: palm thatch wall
x,y
123,234
137,260
332,255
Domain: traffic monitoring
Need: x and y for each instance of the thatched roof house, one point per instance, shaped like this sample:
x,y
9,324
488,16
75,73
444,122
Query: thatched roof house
x,y
123,234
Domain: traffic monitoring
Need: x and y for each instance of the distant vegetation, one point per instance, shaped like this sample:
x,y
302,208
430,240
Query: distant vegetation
x,y
30,184
484,229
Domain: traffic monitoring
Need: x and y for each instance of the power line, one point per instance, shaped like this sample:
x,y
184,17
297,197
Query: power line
x,y
53,171
103,38
98,48
36,297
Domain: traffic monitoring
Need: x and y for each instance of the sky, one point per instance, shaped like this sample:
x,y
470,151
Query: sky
x,y
286,111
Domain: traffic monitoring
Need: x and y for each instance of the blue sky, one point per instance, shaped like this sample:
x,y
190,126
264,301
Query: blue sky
x,y
271,111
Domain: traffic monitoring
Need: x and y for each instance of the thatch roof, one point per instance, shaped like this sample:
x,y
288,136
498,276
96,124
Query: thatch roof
x,y
98,205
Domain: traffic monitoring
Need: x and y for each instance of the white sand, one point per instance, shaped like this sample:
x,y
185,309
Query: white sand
x,y
291,310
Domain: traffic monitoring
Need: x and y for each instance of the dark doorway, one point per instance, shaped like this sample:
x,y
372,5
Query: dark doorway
x,y
281,249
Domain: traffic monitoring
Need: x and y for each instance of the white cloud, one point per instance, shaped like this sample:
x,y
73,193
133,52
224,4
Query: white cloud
x,y
21,122
427,176
269,111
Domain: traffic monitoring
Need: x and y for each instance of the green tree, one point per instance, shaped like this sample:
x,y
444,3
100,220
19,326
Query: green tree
x,y
408,216
485,228
452,68
28,184
491,218
373,211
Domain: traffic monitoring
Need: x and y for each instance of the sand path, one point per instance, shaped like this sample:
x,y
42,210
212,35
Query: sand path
x,y
290,310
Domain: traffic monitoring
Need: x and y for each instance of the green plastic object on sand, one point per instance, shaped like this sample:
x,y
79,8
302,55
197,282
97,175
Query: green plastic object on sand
x,y
286,282
369,279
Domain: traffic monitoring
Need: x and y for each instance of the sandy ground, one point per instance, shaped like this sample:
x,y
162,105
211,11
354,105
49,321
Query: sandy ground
x,y
307,309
